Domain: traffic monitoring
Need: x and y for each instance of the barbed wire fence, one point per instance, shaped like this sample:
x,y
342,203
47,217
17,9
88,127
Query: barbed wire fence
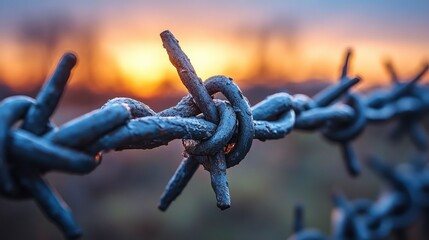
x,y
216,134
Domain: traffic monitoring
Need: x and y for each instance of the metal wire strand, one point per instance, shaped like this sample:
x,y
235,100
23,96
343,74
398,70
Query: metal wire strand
x,y
215,133
390,215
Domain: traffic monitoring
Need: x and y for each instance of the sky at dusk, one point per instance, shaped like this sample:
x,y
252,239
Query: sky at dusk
x,y
118,42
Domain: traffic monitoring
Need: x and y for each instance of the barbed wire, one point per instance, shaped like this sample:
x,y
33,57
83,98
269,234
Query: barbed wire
x,y
215,133
397,208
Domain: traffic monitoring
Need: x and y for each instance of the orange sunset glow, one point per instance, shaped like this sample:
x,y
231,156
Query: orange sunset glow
x,y
254,43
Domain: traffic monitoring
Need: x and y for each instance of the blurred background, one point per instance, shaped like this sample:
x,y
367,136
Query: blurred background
x,y
266,46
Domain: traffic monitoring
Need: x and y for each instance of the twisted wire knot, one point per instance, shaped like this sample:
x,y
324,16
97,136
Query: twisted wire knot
x,y
37,147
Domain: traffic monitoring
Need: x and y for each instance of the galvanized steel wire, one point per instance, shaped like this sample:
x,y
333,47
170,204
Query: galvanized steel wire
x,y
215,133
